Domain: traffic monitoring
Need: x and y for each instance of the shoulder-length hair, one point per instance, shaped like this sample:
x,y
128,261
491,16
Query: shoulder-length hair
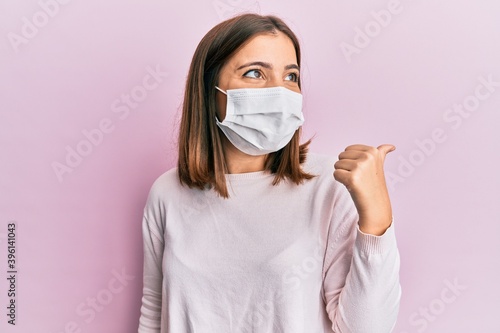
x,y
201,161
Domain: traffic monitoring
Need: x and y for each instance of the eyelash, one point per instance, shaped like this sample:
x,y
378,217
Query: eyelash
x,y
252,70
295,79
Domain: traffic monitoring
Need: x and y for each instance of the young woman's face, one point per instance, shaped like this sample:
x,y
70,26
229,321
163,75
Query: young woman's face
x,y
267,60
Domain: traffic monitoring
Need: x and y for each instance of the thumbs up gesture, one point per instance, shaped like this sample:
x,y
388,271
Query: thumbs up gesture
x,y
361,169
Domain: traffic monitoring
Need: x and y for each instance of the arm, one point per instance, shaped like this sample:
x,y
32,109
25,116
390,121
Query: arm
x,y
361,272
361,279
150,319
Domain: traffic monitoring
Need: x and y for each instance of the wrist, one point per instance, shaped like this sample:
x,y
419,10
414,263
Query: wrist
x,y
375,227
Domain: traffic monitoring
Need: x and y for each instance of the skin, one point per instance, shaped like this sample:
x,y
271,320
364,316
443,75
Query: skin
x,y
268,60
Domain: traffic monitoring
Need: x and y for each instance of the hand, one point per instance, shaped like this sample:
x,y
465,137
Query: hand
x,y
361,169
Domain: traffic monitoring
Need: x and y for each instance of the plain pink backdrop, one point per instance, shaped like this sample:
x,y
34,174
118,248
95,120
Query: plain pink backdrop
x,y
373,72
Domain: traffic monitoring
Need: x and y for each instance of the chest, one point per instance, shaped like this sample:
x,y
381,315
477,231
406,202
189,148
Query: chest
x,y
263,237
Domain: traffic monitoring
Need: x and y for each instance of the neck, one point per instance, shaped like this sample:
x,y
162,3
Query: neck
x,y
239,162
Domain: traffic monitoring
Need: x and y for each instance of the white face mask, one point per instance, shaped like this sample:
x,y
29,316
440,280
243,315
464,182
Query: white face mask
x,y
261,120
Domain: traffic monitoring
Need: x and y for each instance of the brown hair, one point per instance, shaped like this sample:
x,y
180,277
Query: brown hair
x,y
201,161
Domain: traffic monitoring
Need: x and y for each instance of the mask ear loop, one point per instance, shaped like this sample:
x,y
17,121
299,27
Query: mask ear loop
x,y
222,91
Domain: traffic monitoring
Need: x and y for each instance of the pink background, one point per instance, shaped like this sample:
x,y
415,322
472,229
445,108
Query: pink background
x,y
76,232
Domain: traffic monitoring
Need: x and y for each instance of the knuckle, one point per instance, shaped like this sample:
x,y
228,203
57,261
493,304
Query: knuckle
x,y
373,151
354,179
369,156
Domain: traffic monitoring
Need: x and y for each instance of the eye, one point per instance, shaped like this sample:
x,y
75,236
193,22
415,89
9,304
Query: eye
x,y
294,77
253,73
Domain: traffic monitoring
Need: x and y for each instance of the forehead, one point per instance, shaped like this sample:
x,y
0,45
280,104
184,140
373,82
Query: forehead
x,y
273,48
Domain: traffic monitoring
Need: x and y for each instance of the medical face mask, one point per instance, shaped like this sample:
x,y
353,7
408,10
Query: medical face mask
x,y
261,120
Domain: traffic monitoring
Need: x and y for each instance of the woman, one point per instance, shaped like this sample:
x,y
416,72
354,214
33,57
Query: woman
x,y
250,233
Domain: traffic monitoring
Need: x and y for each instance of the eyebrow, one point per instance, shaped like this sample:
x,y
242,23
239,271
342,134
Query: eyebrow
x,y
266,65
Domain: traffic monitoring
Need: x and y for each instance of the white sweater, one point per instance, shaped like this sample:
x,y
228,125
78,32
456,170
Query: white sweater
x,y
279,259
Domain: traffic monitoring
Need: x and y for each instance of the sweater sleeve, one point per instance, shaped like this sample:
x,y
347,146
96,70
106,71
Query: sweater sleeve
x,y
153,243
361,274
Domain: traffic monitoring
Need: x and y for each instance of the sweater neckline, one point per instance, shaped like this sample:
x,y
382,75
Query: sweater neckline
x,y
249,175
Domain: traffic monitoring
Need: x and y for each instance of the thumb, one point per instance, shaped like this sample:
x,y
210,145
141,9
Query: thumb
x,y
386,149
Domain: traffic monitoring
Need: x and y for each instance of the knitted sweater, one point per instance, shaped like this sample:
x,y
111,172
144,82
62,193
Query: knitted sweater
x,y
286,258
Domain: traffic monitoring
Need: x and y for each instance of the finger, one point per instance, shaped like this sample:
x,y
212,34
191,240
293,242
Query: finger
x,y
342,176
386,149
347,165
359,147
351,155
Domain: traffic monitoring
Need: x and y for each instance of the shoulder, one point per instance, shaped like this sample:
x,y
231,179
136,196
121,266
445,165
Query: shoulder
x,y
167,179
164,186
322,167
164,193
319,164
